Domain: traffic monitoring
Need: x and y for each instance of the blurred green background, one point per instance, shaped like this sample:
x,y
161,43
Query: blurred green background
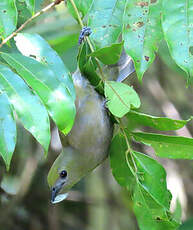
x,y
97,202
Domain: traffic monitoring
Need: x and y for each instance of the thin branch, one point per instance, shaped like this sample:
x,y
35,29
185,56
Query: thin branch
x,y
50,6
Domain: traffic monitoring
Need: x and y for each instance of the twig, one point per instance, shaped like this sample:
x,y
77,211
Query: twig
x,y
50,6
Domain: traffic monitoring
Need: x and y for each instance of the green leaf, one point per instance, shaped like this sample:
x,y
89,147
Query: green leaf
x,y
187,225
165,56
23,12
53,93
27,105
82,6
103,54
36,47
120,98
63,43
105,20
118,161
7,130
151,199
152,177
31,5
142,32
177,215
174,147
150,215
177,20
88,67
159,123
8,17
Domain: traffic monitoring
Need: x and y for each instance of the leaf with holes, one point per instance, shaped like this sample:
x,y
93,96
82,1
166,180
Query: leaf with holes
x,y
105,20
142,32
27,105
174,147
177,20
151,199
8,17
33,45
53,93
120,98
152,177
151,215
159,123
7,130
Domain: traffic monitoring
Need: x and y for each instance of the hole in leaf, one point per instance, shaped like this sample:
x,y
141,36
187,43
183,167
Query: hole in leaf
x,y
33,56
191,50
142,4
104,26
140,24
158,218
4,11
139,204
146,58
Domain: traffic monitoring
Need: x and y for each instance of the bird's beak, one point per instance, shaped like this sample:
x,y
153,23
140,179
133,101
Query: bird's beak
x,y
54,194
55,197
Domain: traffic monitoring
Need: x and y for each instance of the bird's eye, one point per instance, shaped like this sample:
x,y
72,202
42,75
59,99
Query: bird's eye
x,y
63,174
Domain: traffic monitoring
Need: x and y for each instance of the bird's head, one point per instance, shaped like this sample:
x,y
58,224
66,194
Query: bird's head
x,y
66,171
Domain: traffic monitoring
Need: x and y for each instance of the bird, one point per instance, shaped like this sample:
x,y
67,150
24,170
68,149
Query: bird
x,y
87,144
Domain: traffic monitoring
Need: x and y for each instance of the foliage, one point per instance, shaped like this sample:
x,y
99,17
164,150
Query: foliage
x,y
34,82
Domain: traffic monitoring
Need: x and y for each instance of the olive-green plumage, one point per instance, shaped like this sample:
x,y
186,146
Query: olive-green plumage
x,y
86,146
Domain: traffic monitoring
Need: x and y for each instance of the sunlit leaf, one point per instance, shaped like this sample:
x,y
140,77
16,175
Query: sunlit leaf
x,y
120,98
33,45
53,93
142,32
105,20
177,20
27,105
160,123
8,17
7,129
167,146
